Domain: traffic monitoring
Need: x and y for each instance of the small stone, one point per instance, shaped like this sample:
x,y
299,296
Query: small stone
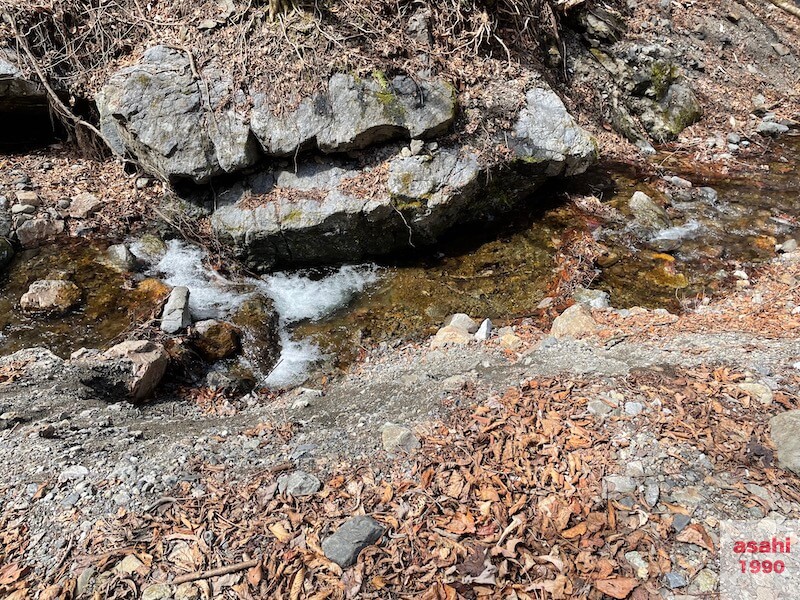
x,y
405,152
29,198
734,138
678,182
705,582
35,232
84,579
618,485
23,209
187,591
207,24
511,341
416,147
680,521
449,335
176,314
651,494
51,296
739,274
674,580
143,182
355,534
781,49
758,391
298,483
634,408
771,128
73,473
397,437
484,331
634,468
788,246
647,213
640,565
461,321
576,322
599,408
84,205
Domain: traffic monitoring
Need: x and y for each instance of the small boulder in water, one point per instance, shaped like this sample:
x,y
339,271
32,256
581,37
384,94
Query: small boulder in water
x,y
215,340
176,312
120,258
647,213
50,296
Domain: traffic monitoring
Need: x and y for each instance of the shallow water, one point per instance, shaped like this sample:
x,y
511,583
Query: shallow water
x,y
499,270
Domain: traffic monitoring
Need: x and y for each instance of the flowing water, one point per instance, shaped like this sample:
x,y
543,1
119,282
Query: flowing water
x,y
499,270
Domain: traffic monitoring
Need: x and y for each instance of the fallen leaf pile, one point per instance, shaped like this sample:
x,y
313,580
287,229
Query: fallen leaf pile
x,y
506,500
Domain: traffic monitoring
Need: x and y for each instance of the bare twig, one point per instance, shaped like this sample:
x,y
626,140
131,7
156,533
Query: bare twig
x,y
216,572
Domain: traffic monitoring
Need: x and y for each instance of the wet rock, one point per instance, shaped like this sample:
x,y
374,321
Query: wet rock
x,y
215,340
51,296
647,213
260,332
484,331
33,233
130,370
298,483
355,534
450,335
6,253
398,437
120,258
461,321
576,322
176,314
785,434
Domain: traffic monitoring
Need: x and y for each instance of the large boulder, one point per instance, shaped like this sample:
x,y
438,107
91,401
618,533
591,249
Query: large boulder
x,y
18,94
131,370
333,210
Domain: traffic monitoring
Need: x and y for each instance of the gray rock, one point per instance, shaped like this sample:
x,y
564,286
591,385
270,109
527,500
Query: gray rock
x,y
789,245
73,473
355,534
176,314
771,128
680,521
640,565
599,408
634,408
24,209
652,492
398,437
298,483
614,485
461,321
84,205
757,391
785,434
734,138
675,580
484,331
647,213
130,370
19,96
119,257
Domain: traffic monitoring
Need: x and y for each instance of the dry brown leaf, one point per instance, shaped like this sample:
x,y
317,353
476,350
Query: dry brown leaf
x,y
574,532
280,532
617,587
697,535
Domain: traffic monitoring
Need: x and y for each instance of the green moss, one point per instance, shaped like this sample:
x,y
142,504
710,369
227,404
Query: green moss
x,y
403,204
661,76
293,216
387,97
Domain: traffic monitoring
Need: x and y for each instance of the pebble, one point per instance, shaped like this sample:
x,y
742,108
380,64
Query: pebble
x,y
619,484
599,408
462,321
398,437
74,472
633,408
651,494
298,484
484,331
680,521
758,391
416,146
639,564
705,582
674,580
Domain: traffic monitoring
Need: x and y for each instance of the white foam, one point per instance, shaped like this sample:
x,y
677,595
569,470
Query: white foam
x,y
298,297
210,295
295,363
679,232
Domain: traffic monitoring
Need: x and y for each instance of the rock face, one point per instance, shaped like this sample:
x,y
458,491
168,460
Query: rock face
x,y
159,112
50,296
130,370
344,546
333,210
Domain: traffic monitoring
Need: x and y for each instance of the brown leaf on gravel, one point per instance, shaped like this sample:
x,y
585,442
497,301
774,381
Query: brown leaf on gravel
x,y
617,587
697,535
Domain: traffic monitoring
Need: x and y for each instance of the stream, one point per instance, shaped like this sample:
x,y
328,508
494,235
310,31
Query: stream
x,y
500,270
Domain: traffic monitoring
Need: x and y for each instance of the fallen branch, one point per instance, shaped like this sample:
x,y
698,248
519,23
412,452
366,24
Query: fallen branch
x,y
790,8
216,572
